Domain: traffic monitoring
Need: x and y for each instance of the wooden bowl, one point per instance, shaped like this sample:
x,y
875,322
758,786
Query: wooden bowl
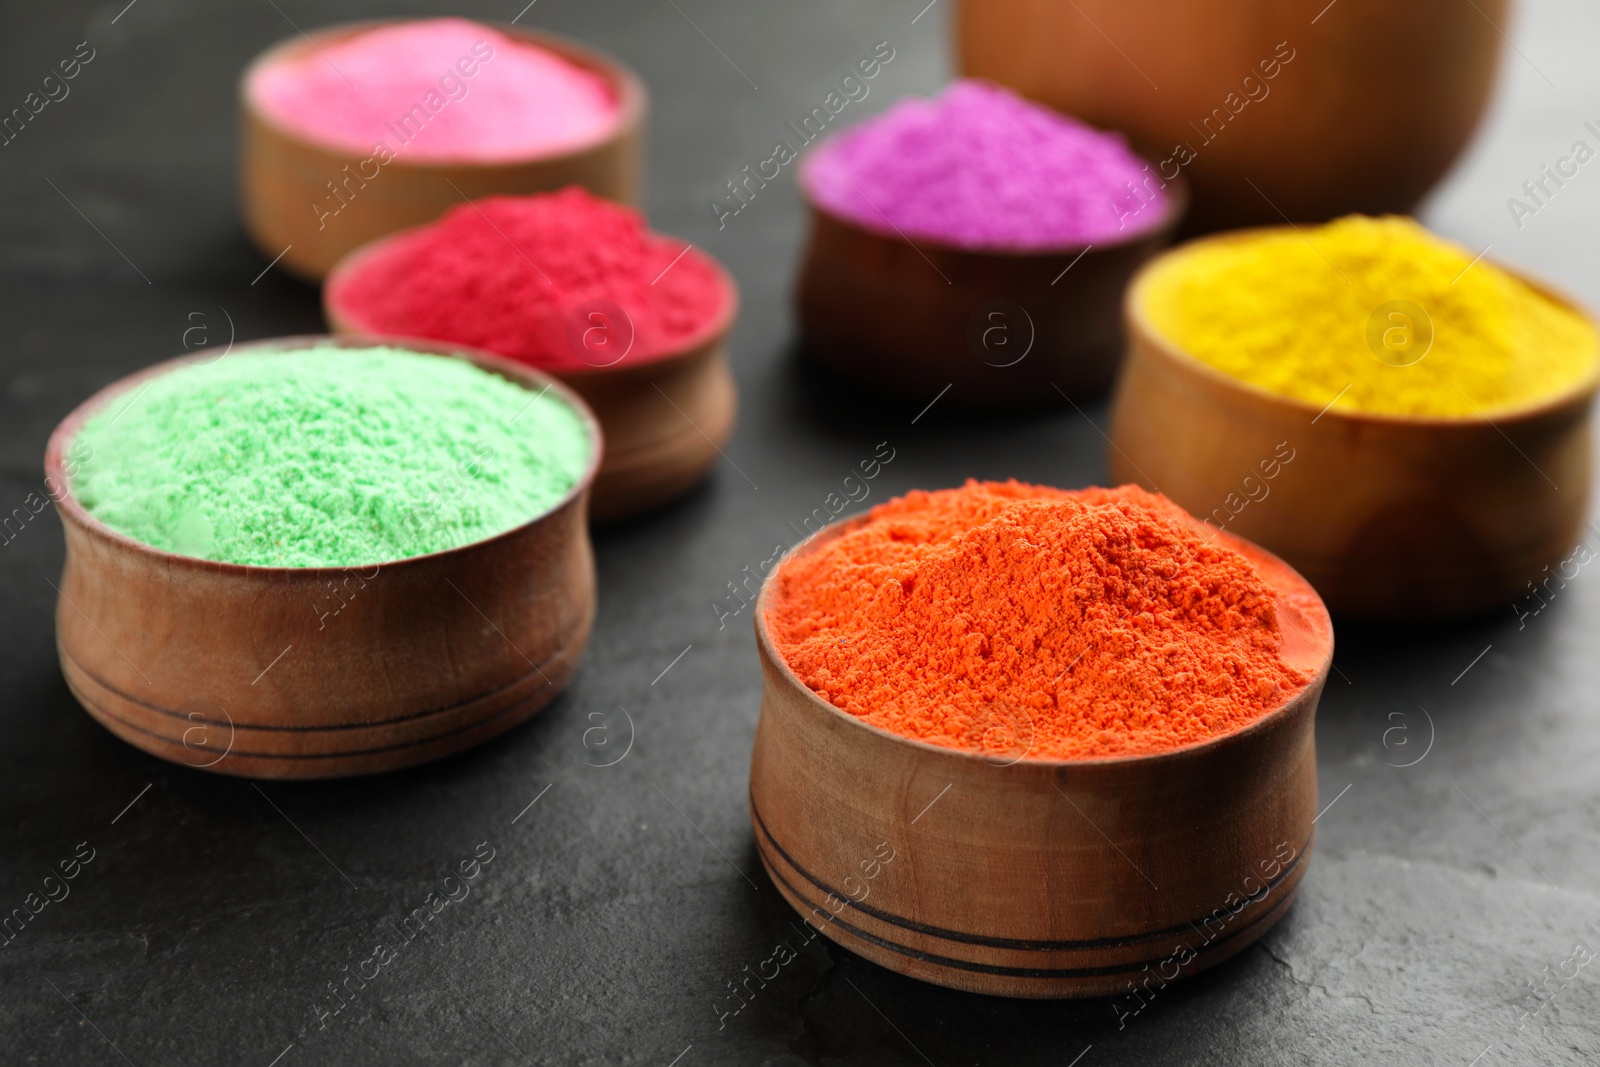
x,y
284,176
665,418
1388,516
1031,877
1376,101
1001,330
321,672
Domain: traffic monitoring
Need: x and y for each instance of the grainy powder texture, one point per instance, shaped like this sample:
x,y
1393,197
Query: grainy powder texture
x,y
327,457
1005,618
980,167
520,275
438,90
1290,311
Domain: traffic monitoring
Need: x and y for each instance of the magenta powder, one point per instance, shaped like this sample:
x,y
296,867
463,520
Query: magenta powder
x,y
438,90
980,167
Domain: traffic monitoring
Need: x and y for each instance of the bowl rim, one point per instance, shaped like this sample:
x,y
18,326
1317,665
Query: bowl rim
x,y
1140,325
67,429
632,97
1176,208
713,330
1196,749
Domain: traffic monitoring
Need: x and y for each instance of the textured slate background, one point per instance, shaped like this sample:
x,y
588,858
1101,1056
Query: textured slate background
x,y
213,915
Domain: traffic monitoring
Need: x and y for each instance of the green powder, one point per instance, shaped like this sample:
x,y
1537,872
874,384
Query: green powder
x,y
327,457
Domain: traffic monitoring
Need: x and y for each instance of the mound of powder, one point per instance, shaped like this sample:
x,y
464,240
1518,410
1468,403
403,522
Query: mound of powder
x,y
982,168
529,277
1338,315
326,457
1020,620
438,90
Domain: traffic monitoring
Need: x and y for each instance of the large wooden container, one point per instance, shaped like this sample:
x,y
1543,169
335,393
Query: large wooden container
x,y
1388,516
1312,109
997,873
998,329
312,203
321,672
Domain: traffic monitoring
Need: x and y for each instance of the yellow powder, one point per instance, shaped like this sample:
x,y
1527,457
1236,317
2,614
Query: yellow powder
x,y
1311,315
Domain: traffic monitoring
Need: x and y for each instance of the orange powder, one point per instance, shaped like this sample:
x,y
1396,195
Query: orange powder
x,y
1010,618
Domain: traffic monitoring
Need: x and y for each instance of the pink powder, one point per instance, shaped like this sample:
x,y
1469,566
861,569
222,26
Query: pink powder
x,y
980,167
438,90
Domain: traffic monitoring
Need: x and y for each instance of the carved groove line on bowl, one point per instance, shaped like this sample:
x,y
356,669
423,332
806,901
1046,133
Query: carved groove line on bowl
x,y
105,715
537,669
766,844
1255,924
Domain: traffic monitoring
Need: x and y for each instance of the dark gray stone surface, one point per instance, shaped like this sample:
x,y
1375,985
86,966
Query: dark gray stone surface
x,y
213,914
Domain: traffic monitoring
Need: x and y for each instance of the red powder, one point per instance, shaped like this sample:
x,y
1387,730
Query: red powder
x,y
1017,620
538,279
